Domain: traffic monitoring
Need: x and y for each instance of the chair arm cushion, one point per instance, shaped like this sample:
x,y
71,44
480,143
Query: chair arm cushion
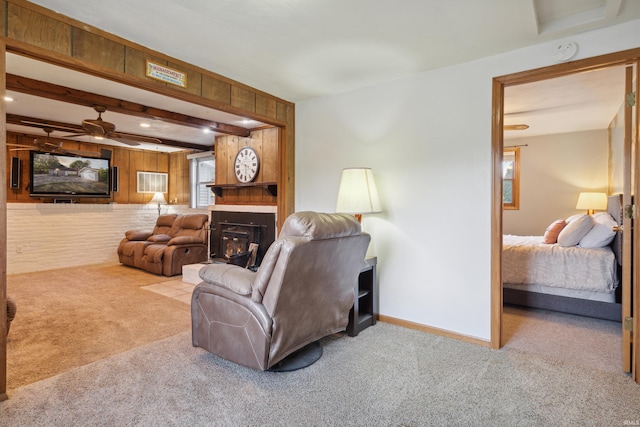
x,y
184,240
235,278
159,238
137,235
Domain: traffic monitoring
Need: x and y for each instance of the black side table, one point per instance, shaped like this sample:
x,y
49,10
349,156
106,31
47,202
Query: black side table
x,y
365,306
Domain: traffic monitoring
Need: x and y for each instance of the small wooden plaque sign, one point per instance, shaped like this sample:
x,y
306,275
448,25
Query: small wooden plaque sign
x,y
166,74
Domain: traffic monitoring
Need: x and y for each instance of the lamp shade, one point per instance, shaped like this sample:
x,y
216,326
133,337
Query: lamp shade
x,y
358,193
159,199
592,201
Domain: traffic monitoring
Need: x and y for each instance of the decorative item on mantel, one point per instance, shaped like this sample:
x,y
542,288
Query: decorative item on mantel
x,y
592,202
159,199
358,193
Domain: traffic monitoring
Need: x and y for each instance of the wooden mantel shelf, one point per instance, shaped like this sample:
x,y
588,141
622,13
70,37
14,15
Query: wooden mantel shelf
x,y
271,187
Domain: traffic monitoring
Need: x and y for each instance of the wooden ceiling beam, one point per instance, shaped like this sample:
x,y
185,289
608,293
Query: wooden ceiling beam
x,y
75,96
15,119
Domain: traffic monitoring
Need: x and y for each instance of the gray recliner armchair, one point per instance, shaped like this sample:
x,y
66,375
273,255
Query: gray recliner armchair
x,y
302,292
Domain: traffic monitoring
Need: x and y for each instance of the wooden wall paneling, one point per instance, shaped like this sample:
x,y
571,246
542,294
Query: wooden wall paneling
x,y
98,50
230,196
216,90
270,155
150,161
136,164
233,145
3,17
179,192
37,29
3,232
136,63
255,141
254,195
60,34
194,79
120,158
266,106
286,163
243,98
221,160
162,162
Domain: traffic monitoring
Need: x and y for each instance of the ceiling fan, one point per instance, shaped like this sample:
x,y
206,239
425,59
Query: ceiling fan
x,y
516,127
50,145
100,128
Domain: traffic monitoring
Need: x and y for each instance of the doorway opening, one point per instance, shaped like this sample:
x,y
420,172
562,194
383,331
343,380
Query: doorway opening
x,y
504,114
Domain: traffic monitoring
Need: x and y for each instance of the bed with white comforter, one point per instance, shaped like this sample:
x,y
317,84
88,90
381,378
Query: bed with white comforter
x,y
575,271
532,265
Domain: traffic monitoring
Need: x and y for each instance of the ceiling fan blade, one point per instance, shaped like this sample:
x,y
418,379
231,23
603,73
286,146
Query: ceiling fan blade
x,y
98,127
73,135
132,139
44,124
20,145
80,153
516,127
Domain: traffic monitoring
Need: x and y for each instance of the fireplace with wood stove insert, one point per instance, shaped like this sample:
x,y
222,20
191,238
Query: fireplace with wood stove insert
x,y
241,238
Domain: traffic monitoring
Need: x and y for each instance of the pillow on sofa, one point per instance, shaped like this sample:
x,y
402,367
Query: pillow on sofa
x,y
553,230
575,231
602,232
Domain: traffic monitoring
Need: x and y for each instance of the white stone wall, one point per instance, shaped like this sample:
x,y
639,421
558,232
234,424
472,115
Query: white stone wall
x,y
47,236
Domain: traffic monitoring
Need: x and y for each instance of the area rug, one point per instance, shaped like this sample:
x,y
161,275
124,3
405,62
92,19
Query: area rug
x,y
71,317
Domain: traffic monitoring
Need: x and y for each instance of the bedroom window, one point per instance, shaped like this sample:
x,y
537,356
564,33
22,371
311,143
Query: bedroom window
x,y
511,178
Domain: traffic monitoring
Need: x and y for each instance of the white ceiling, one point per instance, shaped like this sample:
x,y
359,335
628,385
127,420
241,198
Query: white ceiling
x,y
301,49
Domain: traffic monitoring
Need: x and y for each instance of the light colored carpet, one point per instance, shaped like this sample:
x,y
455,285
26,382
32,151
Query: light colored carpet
x,y
70,317
386,376
551,372
592,343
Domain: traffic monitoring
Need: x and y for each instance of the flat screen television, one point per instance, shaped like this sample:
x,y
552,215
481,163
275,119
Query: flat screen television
x,y
56,175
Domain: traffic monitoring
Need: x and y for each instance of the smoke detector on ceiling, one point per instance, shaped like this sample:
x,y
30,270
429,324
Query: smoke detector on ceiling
x,y
565,51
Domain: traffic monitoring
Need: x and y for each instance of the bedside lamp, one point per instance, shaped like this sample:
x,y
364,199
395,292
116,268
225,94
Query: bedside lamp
x,y
358,193
159,199
592,202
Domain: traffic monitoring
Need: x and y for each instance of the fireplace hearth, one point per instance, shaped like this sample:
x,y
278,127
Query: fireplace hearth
x,y
241,238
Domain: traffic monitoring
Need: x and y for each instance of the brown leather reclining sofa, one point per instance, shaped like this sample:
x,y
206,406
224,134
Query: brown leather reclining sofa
x,y
176,240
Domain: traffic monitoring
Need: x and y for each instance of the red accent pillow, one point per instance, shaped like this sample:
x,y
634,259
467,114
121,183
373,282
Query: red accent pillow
x,y
553,230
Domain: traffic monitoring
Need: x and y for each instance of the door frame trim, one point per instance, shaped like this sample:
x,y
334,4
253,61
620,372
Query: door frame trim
x,y
497,145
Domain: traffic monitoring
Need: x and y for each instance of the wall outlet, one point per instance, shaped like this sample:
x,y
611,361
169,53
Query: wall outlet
x,y
18,249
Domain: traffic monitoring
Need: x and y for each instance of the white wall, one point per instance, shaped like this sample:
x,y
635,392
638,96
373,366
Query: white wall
x,y
45,236
428,140
616,160
554,169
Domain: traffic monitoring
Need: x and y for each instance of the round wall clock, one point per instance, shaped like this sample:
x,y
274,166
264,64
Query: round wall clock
x,y
247,164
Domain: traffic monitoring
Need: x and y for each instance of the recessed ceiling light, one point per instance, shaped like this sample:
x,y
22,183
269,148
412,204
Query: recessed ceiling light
x,y
145,125
8,98
206,130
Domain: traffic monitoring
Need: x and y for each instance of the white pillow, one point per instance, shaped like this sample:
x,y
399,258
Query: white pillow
x,y
602,232
572,217
575,231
